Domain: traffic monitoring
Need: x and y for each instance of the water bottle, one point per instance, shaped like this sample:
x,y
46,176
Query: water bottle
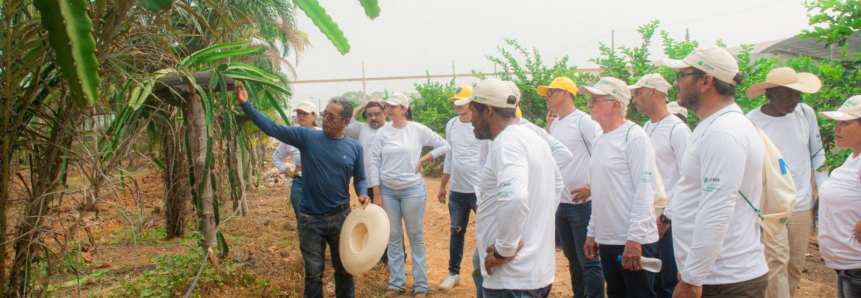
x,y
649,264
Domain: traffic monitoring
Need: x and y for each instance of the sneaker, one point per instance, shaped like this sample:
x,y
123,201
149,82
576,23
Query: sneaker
x,y
392,293
450,281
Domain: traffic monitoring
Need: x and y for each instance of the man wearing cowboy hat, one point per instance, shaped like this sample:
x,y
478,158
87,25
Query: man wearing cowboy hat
x,y
462,166
519,190
793,128
331,160
715,230
576,130
622,177
669,135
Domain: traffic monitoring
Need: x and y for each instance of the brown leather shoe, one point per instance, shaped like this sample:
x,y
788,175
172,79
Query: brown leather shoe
x,y
420,295
392,293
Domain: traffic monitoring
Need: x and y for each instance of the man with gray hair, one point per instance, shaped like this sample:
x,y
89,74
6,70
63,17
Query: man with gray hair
x,y
329,161
669,136
622,178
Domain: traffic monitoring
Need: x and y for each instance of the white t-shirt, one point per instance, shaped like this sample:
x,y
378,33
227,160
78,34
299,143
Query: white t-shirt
x,y
623,185
397,152
670,138
797,136
839,211
517,202
281,154
576,131
466,158
715,234
366,136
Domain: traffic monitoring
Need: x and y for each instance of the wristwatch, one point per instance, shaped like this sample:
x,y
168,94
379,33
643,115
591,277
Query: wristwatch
x,y
664,219
497,255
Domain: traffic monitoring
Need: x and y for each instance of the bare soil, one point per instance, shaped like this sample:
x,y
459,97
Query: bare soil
x,y
265,242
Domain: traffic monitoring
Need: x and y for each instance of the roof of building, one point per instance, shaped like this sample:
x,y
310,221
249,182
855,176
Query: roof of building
x,y
803,46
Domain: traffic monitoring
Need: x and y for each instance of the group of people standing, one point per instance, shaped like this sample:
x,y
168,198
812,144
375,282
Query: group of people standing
x,y
590,180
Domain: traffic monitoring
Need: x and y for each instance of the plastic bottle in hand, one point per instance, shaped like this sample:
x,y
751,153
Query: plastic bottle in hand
x,y
649,264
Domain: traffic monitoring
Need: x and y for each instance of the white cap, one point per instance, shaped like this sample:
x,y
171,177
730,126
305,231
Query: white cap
x,y
675,108
712,60
398,99
307,107
614,87
496,93
850,110
654,81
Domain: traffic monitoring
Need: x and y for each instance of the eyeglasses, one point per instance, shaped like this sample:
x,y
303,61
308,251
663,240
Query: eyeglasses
x,y
550,92
680,75
377,114
597,100
330,116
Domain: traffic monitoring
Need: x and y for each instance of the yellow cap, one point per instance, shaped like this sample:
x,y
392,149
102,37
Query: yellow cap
x,y
461,92
518,113
559,83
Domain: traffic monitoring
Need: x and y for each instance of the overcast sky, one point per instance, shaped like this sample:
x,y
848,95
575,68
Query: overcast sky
x,y
411,37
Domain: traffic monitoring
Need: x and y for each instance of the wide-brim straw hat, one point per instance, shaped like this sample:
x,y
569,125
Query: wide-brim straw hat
x,y
364,237
786,77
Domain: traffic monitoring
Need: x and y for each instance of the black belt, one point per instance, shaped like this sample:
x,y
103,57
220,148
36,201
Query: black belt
x,y
337,210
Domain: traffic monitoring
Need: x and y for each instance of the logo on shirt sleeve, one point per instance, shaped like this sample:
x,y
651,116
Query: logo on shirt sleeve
x,y
711,184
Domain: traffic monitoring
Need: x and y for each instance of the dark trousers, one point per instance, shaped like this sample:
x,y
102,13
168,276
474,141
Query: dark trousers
x,y
459,206
542,293
848,283
587,280
626,283
665,281
315,232
754,288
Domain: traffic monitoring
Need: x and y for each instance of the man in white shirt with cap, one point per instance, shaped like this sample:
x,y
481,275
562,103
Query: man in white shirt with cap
x,y
462,166
715,230
518,197
793,128
576,130
622,175
669,136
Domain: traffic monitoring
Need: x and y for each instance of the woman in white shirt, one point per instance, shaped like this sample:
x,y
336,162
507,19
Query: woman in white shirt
x,y
840,203
395,176
306,116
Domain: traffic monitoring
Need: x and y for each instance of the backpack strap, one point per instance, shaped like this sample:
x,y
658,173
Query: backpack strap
x,y
583,137
758,213
628,132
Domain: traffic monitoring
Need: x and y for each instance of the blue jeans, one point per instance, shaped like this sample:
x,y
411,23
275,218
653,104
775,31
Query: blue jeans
x,y
665,281
315,232
848,283
407,205
626,283
459,205
587,278
476,275
542,292
296,198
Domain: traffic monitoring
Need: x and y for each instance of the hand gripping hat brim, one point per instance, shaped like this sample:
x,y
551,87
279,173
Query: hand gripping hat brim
x,y
364,237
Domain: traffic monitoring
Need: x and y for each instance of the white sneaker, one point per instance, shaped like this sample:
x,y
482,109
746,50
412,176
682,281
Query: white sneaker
x,y
450,281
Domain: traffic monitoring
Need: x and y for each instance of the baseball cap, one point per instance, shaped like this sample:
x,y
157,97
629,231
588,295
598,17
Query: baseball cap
x,y
496,93
462,92
675,108
614,87
712,60
850,110
563,83
307,107
654,81
398,99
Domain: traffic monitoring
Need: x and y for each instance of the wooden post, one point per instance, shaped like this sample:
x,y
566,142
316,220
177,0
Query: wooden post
x,y
364,91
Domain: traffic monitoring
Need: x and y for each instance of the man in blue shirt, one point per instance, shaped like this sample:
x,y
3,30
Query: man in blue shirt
x,y
329,160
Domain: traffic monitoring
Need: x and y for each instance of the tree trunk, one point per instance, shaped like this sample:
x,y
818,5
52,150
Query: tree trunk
x,y
175,177
198,139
